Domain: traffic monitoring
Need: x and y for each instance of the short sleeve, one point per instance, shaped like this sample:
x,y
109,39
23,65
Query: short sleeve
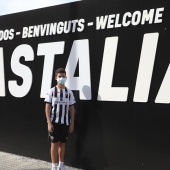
x,y
72,99
48,97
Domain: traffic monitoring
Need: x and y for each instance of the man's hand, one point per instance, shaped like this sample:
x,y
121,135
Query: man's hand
x,y
50,127
71,128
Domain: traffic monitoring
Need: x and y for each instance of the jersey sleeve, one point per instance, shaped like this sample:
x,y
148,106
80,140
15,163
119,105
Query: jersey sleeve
x,y
48,97
72,99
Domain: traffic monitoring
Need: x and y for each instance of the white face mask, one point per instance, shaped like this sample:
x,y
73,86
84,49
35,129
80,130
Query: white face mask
x,y
61,80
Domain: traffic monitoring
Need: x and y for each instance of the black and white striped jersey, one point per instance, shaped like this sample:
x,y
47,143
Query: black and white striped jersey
x,y
60,99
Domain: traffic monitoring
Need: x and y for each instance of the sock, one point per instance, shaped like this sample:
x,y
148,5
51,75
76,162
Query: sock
x,y
54,165
61,164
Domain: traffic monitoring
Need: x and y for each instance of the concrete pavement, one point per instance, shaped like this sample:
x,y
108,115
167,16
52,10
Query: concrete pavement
x,y
15,162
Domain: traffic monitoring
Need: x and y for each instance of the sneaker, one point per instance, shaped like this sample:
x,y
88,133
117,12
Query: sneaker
x,y
54,168
61,168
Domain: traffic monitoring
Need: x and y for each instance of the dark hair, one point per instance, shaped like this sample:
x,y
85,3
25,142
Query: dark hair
x,y
60,70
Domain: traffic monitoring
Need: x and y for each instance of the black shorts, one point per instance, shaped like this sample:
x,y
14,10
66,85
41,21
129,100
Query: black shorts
x,y
60,133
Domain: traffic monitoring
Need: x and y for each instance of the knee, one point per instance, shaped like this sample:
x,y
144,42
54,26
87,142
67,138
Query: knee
x,y
54,145
61,145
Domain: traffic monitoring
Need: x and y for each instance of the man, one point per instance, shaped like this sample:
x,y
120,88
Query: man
x,y
60,112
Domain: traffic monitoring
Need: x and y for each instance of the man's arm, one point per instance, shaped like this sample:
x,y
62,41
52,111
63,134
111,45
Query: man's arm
x,y
72,115
47,112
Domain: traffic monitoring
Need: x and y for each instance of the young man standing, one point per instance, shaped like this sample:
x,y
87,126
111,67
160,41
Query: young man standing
x,y
60,112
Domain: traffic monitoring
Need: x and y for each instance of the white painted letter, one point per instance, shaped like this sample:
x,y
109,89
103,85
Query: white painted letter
x,y
146,67
126,23
20,70
2,74
49,50
79,52
101,22
147,16
163,95
158,15
110,23
136,18
25,32
106,92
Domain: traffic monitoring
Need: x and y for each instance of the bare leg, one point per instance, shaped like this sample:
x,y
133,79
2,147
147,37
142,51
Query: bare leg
x,y
61,151
54,148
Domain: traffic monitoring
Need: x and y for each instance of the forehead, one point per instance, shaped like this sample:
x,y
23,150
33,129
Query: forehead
x,y
61,75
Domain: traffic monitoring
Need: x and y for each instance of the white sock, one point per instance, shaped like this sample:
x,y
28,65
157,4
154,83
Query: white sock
x,y
61,164
54,165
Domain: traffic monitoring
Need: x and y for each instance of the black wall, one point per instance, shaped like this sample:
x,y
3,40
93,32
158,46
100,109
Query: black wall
x,y
109,135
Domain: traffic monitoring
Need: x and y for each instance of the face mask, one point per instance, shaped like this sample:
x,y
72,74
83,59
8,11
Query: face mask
x,y
61,80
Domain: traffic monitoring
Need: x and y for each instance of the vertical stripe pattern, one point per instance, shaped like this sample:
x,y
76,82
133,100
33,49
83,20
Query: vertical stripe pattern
x,y
60,100
55,105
